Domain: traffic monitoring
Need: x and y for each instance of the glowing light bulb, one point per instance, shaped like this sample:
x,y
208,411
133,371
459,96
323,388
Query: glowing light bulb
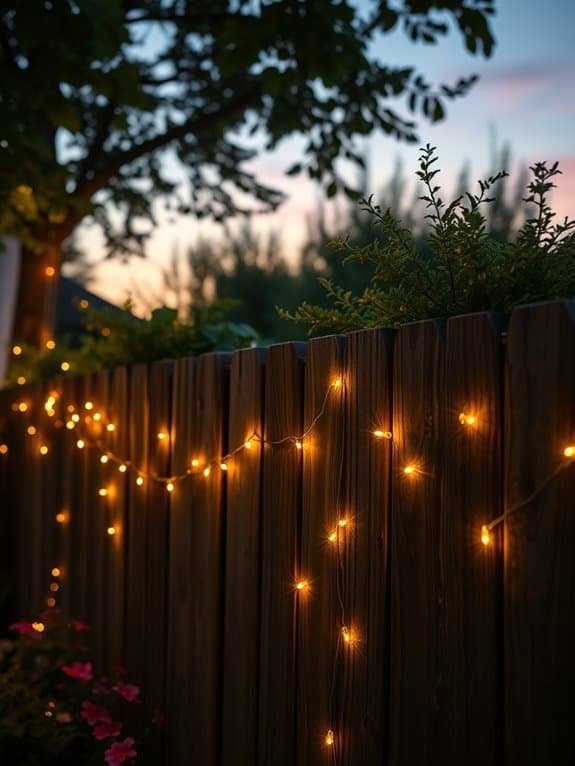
x,y
170,486
97,416
70,425
80,444
337,384
75,417
49,271
65,366
110,427
333,536
104,459
248,444
139,481
162,435
569,451
122,468
50,602
31,430
329,738
38,627
342,523
467,420
379,434
50,345
207,471
89,405
103,492
3,449
20,380
16,350
23,407
111,531
223,466
485,535
298,444
409,470
84,304
54,587
62,517
43,449
302,586
56,572
195,462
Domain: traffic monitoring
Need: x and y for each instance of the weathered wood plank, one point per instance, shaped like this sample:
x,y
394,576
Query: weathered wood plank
x,y
417,594
281,493
242,583
319,623
540,537
364,546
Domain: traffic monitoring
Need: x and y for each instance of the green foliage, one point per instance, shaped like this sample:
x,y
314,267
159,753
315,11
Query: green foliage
x,y
41,707
461,268
116,337
94,92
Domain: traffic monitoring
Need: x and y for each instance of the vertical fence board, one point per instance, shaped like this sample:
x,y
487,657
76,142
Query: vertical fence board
x,y
281,495
115,584
318,613
470,573
9,513
540,537
364,545
62,512
416,597
242,584
193,711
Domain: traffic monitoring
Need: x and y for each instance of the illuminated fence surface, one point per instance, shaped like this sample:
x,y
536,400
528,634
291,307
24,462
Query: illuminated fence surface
x,y
358,550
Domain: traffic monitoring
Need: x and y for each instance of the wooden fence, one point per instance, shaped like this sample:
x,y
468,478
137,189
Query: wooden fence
x,y
409,642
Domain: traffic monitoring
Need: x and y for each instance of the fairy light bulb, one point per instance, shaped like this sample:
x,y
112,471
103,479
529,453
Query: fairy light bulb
x,y
49,271
50,602
329,737
103,492
22,407
122,468
80,444
298,444
302,586
56,572
50,345
466,419
21,380
110,427
65,366
333,537
485,534
31,430
3,449
140,481
75,417
248,444
54,587
43,449
89,405
337,384
207,471
170,486
97,416
223,466
104,459
62,517
379,434
346,635
162,436
16,350
111,531
342,523
409,470
569,451
195,462
39,627
70,425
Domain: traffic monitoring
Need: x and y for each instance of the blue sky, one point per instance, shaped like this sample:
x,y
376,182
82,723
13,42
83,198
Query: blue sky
x,y
526,95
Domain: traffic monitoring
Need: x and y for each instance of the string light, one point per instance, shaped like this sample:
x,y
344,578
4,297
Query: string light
x,y
75,417
223,466
16,350
50,345
379,434
103,492
65,366
31,430
62,517
195,462
70,425
298,444
104,459
162,435
485,535
54,587
207,471
110,427
89,405
329,738
49,271
410,470
80,444
50,602
337,384
122,468
3,449
170,486
111,531
248,444
56,572
569,451
97,416
43,449
139,481
302,586
333,537
38,627
467,420
22,407
21,380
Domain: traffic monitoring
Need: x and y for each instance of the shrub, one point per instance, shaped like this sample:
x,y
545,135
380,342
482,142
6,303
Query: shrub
x,y
461,269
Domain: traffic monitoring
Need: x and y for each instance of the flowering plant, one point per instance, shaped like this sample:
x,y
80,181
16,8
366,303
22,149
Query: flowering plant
x,y
53,708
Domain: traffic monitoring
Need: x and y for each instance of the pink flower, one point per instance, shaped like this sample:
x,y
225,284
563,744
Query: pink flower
x,y
107,729
128,691
95,713
23,628
80,626
82,671
120,752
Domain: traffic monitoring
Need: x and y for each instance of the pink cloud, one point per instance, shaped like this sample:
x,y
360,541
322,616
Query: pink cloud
x,y
512,86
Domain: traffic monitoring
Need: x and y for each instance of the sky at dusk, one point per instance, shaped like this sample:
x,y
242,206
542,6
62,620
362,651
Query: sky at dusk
x,y
525,96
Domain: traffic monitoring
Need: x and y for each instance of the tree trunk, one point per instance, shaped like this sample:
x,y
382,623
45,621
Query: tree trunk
x,y
34,322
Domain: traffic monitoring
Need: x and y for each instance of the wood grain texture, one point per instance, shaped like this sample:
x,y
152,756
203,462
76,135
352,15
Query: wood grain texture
x,y
281,494
364,546
470,630
118,443
417,594
322,495
193,683
540,537
242,583
67,476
